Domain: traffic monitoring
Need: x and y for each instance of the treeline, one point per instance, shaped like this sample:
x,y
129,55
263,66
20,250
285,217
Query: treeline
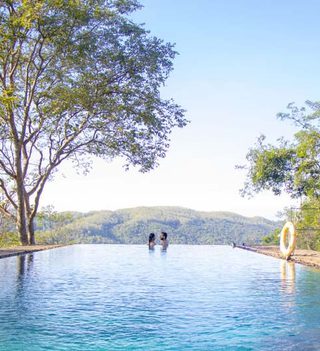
x,y
132,226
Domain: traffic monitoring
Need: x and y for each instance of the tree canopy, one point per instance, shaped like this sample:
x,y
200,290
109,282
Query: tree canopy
x,y
291,166
77,78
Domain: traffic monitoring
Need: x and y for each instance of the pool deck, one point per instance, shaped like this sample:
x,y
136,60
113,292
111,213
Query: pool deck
x,y
306,257
23,250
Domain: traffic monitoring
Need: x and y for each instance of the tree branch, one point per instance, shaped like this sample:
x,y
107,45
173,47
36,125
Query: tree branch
x,y
8,196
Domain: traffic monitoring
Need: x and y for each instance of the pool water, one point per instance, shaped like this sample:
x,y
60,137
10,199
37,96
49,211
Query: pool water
x,y
115,297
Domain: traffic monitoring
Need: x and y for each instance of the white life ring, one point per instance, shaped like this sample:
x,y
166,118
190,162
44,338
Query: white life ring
x,y
287,251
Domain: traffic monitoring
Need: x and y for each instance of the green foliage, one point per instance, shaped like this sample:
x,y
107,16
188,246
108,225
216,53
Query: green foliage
x,y
273,168
8,239
8,236
293,167
273,238
48,218
132,226
308,224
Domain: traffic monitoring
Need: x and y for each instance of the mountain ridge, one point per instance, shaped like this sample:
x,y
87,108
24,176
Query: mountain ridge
x,y
184,226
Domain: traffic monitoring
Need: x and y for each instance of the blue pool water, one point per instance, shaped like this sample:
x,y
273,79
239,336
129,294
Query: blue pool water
x,y
109,297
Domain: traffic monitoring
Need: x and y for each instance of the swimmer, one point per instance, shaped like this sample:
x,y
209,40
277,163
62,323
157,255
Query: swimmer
x,y
164,240
152,241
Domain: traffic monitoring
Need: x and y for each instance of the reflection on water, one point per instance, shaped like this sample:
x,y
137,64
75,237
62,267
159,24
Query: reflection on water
x,y
24,263
24,270
288,276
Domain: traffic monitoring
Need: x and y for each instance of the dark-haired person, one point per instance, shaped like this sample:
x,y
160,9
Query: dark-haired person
x,y
164,240
152,241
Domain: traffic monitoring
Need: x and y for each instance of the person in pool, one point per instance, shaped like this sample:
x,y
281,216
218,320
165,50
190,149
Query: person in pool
x,y
164,240
152,241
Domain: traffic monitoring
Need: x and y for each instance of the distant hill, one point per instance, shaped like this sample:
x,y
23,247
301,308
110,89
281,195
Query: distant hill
x,y
184,226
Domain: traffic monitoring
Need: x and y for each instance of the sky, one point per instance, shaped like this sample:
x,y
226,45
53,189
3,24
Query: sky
x,y
240,62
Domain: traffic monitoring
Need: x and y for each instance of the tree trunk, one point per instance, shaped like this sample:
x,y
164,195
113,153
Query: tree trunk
x,y
32,240
21,207
21,219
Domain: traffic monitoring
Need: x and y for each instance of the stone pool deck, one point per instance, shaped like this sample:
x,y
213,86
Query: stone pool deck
x,y
306,257
22,250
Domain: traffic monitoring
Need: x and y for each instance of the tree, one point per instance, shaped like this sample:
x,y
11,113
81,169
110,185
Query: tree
x,y
8,236
77,78
308,224
273,238
293,167
48,218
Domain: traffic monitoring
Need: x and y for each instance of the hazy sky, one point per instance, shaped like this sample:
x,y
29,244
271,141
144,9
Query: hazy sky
x,y
240,62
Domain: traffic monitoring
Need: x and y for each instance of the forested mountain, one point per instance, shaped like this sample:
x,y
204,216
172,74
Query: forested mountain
x,y
132,226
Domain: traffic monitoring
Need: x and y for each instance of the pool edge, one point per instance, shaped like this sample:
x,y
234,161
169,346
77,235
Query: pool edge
x,y
308,258
24,250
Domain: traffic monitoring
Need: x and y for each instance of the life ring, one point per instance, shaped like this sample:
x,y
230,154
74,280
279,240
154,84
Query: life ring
x,y
287,251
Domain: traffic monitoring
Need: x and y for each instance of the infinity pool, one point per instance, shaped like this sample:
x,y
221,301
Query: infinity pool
x,y
109,297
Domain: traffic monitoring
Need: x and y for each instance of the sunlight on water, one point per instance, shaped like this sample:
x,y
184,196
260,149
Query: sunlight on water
x,y
108,297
